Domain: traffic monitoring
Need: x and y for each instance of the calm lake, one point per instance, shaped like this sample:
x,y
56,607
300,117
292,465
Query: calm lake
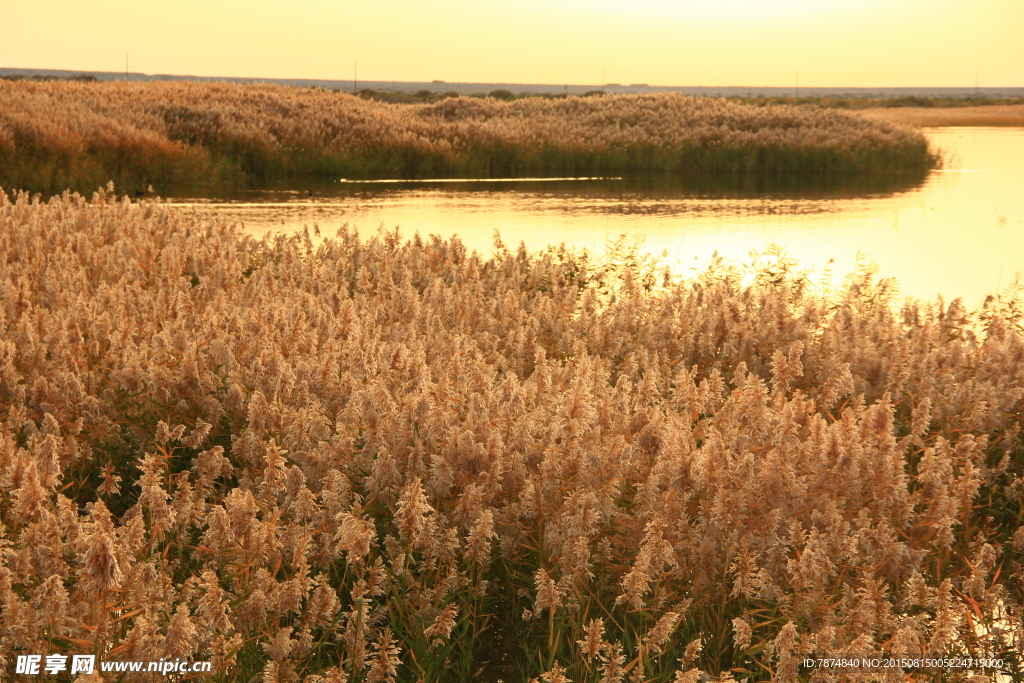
x,y
957,233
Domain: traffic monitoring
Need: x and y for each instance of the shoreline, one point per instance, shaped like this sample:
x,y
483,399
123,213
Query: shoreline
x,y
1007,115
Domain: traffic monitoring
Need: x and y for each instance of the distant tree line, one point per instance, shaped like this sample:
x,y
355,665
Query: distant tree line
x,y
81,78
424,95
843,102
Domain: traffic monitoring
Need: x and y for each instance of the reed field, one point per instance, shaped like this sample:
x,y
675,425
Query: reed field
x,y
368,459
61,134
933,117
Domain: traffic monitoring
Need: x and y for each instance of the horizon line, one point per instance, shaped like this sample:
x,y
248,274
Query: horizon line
x,y
117,75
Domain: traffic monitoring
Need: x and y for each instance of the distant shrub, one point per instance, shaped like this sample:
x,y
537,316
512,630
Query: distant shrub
x,y
909,101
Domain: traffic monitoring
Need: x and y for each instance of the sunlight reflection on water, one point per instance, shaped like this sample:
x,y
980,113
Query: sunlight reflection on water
x,y
959,234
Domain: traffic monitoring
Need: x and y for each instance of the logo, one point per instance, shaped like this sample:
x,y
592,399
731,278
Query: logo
x,y
36,665
54,664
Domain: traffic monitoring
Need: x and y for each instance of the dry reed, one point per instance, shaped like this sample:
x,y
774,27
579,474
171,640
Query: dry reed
x,y
369,460
55,135
934,117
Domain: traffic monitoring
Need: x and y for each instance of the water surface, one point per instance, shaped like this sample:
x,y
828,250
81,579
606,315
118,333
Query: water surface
x,y
959,232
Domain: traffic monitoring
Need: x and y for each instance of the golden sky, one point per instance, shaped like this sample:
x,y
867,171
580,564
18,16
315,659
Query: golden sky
x,y
842,43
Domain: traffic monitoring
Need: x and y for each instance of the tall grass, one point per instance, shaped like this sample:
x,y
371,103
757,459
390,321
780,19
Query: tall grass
x,y
982,115
55,135
370,460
